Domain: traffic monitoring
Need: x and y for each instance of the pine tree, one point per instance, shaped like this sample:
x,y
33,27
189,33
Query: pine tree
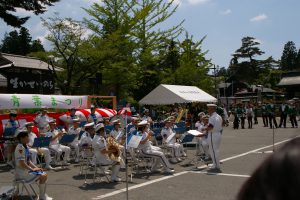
x,y
10,43
298,60
36,46
24,41
8,10
289,56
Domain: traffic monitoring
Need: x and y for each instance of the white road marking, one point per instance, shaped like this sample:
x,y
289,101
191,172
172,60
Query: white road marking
x,y
221,174
255,150
185,172
139,185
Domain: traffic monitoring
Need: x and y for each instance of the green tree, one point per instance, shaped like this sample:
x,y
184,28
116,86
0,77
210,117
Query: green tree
x,y
24,41
37,46
244,66
10,43
8,10
194,67
289,56
298,60
20,43
69,50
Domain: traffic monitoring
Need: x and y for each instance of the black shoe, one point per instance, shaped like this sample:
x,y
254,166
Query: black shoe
x,y
214,170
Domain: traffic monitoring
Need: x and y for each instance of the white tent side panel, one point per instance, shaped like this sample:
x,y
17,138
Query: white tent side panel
x,y
171,94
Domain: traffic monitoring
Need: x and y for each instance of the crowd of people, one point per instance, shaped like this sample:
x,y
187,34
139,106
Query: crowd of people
x,y
107,144
241,112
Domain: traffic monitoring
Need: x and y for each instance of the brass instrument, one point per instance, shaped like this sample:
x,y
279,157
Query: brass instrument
x,y
112,144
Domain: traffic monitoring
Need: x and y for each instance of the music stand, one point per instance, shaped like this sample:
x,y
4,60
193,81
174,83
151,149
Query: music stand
x,y
41,142
9,132
66,139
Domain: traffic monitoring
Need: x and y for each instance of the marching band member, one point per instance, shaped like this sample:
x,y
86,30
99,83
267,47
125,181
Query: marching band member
x,y
54,144
214,136
117,132
148,150
177,148
34,152
14,125
146,116
42,121
92,117
26,170
75,130
69,119
87,136
101,151
202,141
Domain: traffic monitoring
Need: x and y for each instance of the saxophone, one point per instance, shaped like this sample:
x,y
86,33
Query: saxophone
x,y
112,144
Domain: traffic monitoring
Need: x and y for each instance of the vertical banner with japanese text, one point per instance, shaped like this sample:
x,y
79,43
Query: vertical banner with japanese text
x,y
20,101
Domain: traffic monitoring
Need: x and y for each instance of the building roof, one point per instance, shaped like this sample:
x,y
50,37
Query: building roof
x,y
287,81
9,60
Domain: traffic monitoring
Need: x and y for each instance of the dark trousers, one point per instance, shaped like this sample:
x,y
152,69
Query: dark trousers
x,y
243,122
265,120
272,119
293,121
283,120
249,122
255,119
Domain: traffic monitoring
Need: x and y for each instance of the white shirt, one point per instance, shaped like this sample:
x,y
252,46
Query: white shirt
x,y
85,139
52,134
147,145
216,121
32,136
20,154
42,121
117,134
166,133
99,144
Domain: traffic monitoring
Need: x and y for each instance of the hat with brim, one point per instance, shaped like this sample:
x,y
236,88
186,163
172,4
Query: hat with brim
x,y
13,113
89,125
29,124
99,126
201,114
143,123
76,120
168,120
211,105
116,122
52,121
146,110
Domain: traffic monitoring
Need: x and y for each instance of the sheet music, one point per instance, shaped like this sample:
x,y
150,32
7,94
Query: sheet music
x,y
134,141
195,132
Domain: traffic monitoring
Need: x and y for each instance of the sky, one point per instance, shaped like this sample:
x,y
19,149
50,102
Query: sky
x,y
223,22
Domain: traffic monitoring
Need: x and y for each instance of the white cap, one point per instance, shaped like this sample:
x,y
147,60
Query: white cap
x,y
201,113
89,125
143,123
117,121
99,126
211,105
27,124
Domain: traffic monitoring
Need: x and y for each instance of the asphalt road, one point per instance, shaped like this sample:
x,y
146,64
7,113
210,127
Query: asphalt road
x,y
241,151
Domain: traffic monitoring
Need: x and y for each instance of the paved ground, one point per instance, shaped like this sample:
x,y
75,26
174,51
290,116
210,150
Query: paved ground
x,y
241,152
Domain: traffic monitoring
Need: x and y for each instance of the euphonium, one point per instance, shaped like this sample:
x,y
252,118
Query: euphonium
x,y
112,144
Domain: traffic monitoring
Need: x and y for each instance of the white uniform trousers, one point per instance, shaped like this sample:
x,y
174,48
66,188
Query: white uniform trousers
x,y
59,149
44,151
214,141
177,149
75,145
159,157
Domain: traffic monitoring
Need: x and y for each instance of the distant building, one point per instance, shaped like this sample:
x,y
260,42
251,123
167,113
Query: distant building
x,y
291,83
22,74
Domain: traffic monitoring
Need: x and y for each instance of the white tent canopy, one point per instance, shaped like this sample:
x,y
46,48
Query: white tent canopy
x,y
171,94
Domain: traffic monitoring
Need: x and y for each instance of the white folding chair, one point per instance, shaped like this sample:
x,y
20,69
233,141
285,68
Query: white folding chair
x,y
24,184
86,158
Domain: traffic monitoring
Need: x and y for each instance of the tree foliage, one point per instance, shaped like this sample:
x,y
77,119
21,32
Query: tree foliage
x,y
289,57
8,10
20,43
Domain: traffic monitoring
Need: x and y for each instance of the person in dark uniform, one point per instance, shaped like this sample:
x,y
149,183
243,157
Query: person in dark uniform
x,y
264,115
293,113
283,109
271,109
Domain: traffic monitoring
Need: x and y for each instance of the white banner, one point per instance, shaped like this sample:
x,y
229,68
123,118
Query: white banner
x,y
19,101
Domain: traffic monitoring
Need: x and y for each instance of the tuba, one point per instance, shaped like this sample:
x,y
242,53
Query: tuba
x,y
112,144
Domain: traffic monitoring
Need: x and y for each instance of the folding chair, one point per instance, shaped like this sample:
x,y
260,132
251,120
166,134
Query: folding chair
x,y
141,161
104,173
86,158
24,184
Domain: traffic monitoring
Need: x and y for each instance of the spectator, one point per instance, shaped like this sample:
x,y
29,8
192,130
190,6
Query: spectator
x,y
277,178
